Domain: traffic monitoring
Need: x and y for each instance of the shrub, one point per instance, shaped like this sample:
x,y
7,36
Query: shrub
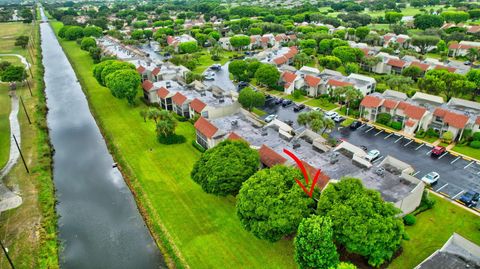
x,y
447,136
432,133
409,219
476,136
426,203
420,133
87,43
296,94
475,144
467,134
384,118
198,146
396,125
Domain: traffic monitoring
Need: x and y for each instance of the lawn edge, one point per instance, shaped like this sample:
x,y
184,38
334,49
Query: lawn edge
x,y
163,240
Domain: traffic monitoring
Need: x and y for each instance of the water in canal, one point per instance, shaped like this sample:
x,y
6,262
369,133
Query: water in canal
x,y
99,223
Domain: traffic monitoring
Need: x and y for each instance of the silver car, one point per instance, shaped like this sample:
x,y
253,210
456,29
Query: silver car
x,y
431,178
372,155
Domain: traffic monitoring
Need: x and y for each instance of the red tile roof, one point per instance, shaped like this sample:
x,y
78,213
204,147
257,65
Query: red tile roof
x,y
474,29
287,85
280,60
371,101
338,83
288,76
455,120
312,81
389,103
396,63
387,37
410,123
439,112
253,39
140,69
163,93
311,171
280,37
292,37
294,49
264,39
401,40
155,71
205,127
269,157
415,112
449,69
402,105
197,105
420,65
454,46
234,136
477,121
179,98
147,85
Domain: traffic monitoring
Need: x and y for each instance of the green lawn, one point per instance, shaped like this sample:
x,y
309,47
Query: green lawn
x,y
347,122
259,112
321,103
432,230
10,31
301,98
12,59
203,227
4,124
206,61
466,150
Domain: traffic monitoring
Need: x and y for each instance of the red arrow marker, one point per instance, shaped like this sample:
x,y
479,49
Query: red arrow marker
x,y
305,174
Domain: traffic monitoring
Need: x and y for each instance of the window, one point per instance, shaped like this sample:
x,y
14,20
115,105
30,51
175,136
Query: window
x,y
202,140
205,114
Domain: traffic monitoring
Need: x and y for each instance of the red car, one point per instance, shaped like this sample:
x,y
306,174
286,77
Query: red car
x,y
438,150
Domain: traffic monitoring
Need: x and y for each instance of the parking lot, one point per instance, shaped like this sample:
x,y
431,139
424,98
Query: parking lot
x,y
284,113
457,175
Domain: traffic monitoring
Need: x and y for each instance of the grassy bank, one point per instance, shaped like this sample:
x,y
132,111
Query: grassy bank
x,y
4,124
194,228
29,231
432,230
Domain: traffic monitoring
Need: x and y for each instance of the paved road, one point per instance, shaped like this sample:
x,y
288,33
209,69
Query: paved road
x,y
222,79
456,174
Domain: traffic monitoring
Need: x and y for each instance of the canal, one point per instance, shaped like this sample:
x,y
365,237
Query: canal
x,y
99,224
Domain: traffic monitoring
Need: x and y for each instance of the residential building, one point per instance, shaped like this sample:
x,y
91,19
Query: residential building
x,y
461,49
175,41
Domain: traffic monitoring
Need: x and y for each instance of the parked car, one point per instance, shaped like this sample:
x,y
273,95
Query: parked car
x,y
438,150
287,102
470,198
270,117
268,98
242,84
278,101
355,125
331,114
298,107
289,122
431,178
372,155
316,109
338,119
216,67
467,63
209,76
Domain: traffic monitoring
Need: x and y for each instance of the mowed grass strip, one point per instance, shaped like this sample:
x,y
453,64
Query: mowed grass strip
x,y
432,230
204,228
4,124
10,31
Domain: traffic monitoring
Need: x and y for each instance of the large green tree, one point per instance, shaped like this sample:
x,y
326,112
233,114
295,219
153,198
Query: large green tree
x,y
315,120
124,83
238,68
314,246
13,73
249,98
393,17
87,43
271,205
74,33
267,75
112,67
424,42
165,126
362,221
347,54
239,41
188,47
443,82
94,31
426,21
22,41
222,169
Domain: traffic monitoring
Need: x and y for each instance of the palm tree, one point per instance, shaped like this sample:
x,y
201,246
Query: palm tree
x,y
166,124
144,114
472,54
301,59
328,124
315,120
153,114
351,94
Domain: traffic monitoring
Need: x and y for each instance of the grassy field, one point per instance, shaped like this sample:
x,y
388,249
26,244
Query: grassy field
x,y
321,103
4,124
301,98
204,228
466,150
205,60
29,231
12,59
432,230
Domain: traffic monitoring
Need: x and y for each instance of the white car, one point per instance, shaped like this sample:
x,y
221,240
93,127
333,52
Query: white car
x,y
270,118
331,114
372,155
209,76
431,178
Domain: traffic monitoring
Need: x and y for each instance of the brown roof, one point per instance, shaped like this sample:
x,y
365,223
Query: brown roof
x,y
410,123
396,63
477,121
269,157
205,127
455,120
155,71
147,85
390,103
414,112
179,98
402,105
280,60
439,112
280,37
420,65
162,93
338,83
288,76
264,39
371,101
140,69
311,171
197,105
312,81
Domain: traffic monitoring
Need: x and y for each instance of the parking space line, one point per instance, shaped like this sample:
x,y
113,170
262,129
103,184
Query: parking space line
x,y
381,157
362,125
455,160
478,173
446,184
453,198
468,165
443,155
428,153
398,139
419,146
416,173
369,130
381,131
388,136
408,143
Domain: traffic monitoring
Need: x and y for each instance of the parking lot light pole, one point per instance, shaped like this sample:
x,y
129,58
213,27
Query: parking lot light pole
x,y
6,254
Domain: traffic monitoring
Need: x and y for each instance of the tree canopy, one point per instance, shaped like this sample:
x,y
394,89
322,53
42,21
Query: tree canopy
x,y
239,41
249,98
267,75
426,21
13,73
222,169
188,47
271,205
124,83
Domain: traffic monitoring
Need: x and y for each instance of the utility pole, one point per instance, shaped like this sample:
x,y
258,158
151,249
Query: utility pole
x,y
21,155
25,109
6,254
29,88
